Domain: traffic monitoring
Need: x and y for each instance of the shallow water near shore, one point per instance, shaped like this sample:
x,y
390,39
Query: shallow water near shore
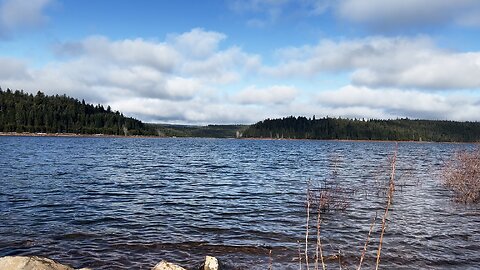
x,y
127,203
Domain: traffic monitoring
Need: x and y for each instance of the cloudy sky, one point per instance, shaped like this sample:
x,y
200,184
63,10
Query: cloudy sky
x,y
240,61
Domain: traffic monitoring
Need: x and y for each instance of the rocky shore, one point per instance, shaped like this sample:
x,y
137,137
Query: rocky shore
x,y
39,263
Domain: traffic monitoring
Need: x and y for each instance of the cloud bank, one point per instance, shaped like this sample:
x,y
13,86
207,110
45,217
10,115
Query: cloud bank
x,y
193,78
383,62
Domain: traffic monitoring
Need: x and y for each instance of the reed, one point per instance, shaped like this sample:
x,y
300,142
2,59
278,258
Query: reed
x,y
307,227
319,250
270,262
299,256
339,259
391,189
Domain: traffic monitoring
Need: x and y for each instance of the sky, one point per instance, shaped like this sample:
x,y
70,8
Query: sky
x,y
242,61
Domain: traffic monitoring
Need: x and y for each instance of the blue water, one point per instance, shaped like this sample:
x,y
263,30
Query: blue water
x,y
127,203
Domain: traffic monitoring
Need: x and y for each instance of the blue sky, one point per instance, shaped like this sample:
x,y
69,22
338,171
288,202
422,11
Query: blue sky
x,y
232,61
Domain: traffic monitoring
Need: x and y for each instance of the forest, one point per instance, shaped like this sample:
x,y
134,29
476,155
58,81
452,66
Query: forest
x,y
359,129
40,113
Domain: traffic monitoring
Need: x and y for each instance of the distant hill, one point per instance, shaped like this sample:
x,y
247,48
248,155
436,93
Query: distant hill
x,y
210,131
22,112
351,129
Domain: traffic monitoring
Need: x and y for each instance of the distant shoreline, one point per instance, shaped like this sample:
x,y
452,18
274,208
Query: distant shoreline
x,y
73,135
78,135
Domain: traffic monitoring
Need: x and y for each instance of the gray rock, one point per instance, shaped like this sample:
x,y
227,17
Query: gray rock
x,y
31,263
163,265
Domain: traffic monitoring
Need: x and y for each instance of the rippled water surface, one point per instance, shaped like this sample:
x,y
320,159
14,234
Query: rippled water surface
x,y
123,203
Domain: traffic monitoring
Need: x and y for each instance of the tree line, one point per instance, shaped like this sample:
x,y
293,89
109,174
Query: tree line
x,y
359,129
23,112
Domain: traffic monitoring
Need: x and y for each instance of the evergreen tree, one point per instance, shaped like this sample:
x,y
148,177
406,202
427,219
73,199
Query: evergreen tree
x,y
22,112
338,128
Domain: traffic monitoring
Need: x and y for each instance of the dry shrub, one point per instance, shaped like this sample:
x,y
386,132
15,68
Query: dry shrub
x,y
462,175
329,197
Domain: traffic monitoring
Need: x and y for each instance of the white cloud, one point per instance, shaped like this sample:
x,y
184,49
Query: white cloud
x,y
12,68
223,66
276,94
383,62
331,56
158,55
316,107
197,43
402,103
178,79
196,111
438,70
21,15
394,15
181,67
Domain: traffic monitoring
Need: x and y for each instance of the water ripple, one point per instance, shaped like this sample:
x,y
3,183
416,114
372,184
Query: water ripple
x,y
113,203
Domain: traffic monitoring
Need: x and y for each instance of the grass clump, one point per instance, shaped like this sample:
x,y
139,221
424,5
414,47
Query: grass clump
x,y
462,175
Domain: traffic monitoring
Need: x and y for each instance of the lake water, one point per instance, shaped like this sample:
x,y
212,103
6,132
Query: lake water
x,y
123,203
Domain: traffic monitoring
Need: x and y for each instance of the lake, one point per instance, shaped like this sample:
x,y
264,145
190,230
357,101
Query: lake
x,y
127,203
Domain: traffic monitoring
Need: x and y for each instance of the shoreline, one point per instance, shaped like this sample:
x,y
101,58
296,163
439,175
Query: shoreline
x,y
71,135
79,135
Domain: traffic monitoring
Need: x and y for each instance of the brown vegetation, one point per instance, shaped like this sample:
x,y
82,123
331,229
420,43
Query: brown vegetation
x,y
462,175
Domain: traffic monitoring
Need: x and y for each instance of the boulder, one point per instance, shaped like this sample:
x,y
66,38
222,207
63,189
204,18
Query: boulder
x,y
31,263
163,265
211,263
